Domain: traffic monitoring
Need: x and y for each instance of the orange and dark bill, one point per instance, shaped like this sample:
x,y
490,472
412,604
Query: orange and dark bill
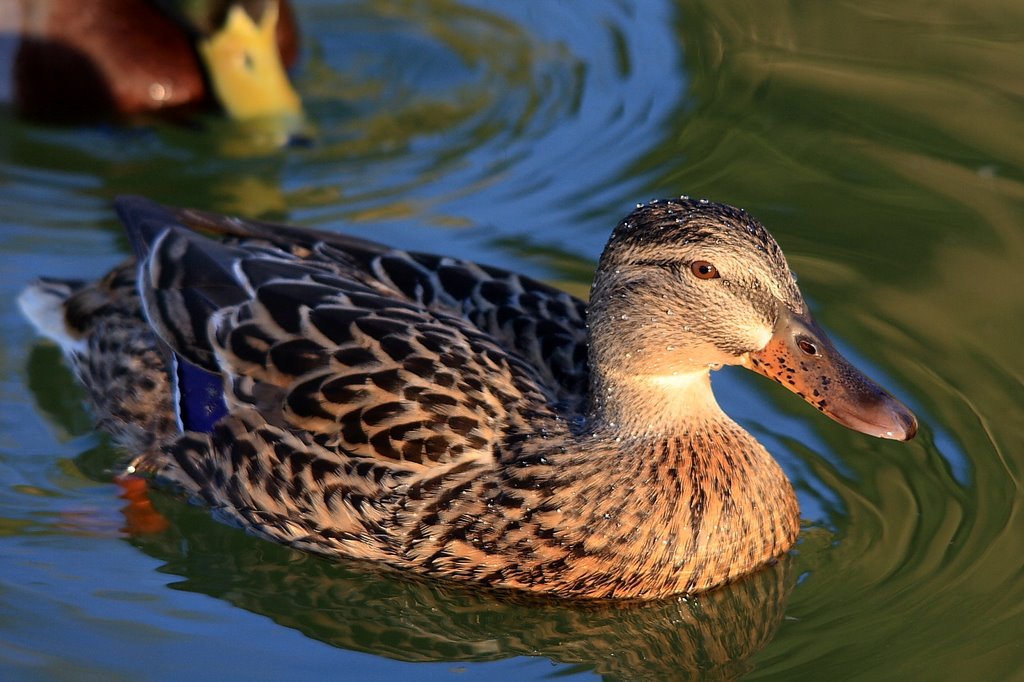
x,y
800,357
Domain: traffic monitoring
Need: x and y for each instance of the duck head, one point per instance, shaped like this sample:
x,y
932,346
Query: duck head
x,y
686,286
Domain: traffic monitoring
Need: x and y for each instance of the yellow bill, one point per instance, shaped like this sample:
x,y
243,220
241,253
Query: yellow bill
x,y
245,68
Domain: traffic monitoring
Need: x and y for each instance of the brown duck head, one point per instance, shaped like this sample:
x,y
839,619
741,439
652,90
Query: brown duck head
x,y
685,286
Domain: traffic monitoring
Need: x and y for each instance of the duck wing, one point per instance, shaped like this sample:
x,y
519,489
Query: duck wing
x,y
339,360
544,326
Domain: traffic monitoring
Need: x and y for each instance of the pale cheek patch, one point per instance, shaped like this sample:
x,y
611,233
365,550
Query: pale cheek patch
x,y
758,334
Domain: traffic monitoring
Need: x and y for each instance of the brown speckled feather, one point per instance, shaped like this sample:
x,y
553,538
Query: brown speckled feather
x,y
117,357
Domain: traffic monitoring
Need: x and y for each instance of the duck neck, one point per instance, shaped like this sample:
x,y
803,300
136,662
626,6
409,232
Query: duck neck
x,y
670,495
651,405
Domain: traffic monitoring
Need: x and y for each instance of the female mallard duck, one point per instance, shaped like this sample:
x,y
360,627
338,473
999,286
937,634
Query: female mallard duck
x,y
459,420
87,58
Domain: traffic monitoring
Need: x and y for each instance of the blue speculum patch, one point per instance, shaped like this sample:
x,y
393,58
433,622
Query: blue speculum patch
x,y
200,397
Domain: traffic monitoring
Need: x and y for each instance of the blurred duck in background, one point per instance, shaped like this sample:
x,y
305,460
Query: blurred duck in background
x,y
73,60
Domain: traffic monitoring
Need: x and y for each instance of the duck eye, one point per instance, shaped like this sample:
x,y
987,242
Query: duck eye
x,y
704,270
807,347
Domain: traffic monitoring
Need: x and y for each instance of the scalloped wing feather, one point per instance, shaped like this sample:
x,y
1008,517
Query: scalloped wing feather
x,y
364,374
544,326
317,345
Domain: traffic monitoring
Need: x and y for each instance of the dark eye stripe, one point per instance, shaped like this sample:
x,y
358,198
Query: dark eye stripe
x,y
658,262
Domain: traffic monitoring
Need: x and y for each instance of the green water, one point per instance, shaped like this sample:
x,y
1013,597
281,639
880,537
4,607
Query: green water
x,y
881,142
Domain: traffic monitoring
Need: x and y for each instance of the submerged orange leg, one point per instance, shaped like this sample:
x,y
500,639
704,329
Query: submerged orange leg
x,y
139,514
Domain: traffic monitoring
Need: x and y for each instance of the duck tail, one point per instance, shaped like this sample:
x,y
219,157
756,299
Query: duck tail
x,y
125,374
44,303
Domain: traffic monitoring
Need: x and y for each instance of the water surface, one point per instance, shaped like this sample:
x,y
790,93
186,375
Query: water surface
x,y
881,142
